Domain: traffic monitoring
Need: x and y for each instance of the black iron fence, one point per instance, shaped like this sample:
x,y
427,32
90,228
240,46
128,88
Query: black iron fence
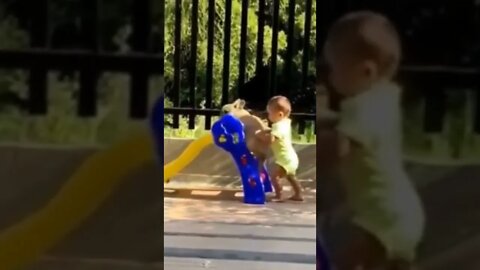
x,y
428,69
441,47
90,60
250,49
263,50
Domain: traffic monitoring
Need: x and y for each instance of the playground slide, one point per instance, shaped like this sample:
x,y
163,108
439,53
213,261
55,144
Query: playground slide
x,y
82,194
187,156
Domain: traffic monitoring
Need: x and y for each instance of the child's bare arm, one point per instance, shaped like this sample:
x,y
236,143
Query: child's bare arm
x,y
265,135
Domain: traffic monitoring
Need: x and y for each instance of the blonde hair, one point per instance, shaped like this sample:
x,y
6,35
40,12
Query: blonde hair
x,y
281,103
367,35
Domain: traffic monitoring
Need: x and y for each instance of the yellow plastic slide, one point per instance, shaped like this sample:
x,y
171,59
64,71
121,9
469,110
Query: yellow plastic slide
x,y
187,156
89,186
81,195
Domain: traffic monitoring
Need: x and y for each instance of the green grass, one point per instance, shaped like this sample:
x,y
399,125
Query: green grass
x,y
184,133
419,146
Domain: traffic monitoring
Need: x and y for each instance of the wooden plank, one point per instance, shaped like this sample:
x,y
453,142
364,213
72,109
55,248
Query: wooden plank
x,y
195,264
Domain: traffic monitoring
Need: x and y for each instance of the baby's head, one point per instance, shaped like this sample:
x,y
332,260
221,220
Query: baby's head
x,y
362,48
278,108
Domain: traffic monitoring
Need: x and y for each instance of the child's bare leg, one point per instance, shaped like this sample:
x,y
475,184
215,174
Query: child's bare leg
x,y
297,188
277,174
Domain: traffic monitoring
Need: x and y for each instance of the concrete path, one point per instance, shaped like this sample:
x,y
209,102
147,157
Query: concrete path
x,y
230,235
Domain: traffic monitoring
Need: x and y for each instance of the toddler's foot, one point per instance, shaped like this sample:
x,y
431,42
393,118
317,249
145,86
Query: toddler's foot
x,y
276,198
296,198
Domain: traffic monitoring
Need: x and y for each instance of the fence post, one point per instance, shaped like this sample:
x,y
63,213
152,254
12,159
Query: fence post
x,y
162,41
193,64
226,51
87,100
140,43
290,47
243,44
273,59
210,55
306,44
177,60
38,82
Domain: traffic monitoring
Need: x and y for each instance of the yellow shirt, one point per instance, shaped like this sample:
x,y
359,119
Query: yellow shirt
x,y
379,192
282,148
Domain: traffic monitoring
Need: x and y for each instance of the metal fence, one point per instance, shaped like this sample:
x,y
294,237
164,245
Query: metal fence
x,y
421,72
268,75
428,70
90,61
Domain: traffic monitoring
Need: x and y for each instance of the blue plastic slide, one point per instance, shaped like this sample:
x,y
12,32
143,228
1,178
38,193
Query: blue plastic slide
x,y
228,134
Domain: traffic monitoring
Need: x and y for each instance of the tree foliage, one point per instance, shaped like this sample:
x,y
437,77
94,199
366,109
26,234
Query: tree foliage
x,y
252,37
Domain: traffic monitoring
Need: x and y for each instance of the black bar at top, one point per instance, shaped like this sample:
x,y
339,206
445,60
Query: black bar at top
x,y
243,44
210,55
87,99
177,59
39,39
226,57
260,37
273,68
193,62
141,43
306,43
290,46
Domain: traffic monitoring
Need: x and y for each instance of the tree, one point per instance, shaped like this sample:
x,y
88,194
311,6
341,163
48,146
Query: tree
x,y
252,31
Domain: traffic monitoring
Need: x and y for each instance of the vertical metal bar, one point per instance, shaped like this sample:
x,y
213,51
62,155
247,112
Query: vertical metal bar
x,y
476,116
210,55
243,44
290,47
162,37
177,60
226,50
38,83
273,67
260,37
306,44
193,63
302,125
87,100
435,109
141,43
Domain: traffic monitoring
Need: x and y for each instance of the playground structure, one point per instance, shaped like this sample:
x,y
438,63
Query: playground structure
x,y
96,179
228,134
84,192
